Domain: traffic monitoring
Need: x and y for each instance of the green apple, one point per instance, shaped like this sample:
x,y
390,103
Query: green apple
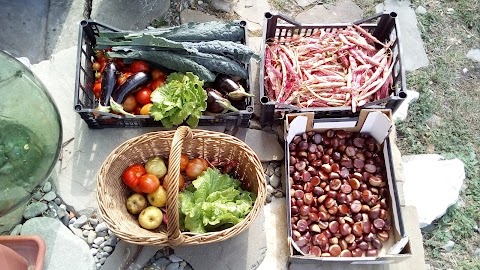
x,y
136,203
150,218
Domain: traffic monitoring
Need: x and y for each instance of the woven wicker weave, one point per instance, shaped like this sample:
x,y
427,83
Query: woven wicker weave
x,y
112,193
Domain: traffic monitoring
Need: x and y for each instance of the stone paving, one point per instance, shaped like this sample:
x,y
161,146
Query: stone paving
x,y
264,245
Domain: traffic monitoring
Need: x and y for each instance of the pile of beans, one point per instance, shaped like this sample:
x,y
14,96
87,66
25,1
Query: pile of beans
x,y
338,194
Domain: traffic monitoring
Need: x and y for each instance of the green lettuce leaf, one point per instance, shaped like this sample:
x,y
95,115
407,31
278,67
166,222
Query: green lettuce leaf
x,y
214,201
181,99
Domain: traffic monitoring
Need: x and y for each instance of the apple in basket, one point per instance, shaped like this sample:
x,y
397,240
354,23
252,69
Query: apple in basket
x,y
158,198
136,203
150,218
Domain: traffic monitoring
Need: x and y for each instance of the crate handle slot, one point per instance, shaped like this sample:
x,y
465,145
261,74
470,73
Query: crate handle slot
x,y
88,31
270,21
388,22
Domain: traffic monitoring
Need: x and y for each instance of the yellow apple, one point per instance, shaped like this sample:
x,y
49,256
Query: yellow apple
x,y
158,198
136,203
150,218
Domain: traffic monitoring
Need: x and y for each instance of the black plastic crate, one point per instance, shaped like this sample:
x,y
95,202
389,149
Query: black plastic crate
x,y
85,102
383,26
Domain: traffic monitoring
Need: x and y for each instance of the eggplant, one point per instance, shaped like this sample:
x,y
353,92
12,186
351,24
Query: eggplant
x,y
216,103
131,85
230,88
109,80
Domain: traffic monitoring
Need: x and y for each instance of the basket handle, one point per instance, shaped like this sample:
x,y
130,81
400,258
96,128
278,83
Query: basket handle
x,y
175,238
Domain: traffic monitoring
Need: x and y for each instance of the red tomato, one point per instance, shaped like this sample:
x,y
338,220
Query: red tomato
x,y
183,162
195,167
148,183
132,174
158,74
119,63
139,65
156,83
136,189
97,89
137,110
130,103
143,96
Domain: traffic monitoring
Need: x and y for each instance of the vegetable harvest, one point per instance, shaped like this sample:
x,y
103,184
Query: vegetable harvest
x,y
328,69
131,70
209,198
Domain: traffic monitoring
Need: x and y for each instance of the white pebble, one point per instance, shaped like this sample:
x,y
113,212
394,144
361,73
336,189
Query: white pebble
x,y
107,249
278,172
91,236
72,220
173,266
102,260
200,2
174,258
87,227
98,265
63,206
58,201
80,221
275,181
93,251
98,240
93,221
85,233
101,227
94,246
102,234
270,189
465,70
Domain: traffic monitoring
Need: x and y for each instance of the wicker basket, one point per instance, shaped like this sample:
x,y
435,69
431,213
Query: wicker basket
x,y
112,193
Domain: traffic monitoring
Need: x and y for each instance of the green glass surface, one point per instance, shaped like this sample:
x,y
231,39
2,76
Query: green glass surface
x,y
30,133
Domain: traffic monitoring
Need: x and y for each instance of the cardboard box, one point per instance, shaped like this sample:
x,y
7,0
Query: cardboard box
x,y
378,124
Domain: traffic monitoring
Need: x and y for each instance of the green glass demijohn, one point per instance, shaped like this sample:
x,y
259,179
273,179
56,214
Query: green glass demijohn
x,y
30,134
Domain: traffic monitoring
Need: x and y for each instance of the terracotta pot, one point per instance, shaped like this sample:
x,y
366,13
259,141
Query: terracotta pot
x,y
22,252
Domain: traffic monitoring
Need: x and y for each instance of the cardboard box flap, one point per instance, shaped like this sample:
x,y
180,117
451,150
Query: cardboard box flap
x,y
377,125
298,125
399,246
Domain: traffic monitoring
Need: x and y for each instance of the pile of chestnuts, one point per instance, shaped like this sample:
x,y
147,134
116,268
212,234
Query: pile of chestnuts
x,y
338,194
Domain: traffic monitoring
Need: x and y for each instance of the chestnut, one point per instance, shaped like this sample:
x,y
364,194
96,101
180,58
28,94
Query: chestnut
x,y
382,235
335,250
333,226
346,253
335,183
302,225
